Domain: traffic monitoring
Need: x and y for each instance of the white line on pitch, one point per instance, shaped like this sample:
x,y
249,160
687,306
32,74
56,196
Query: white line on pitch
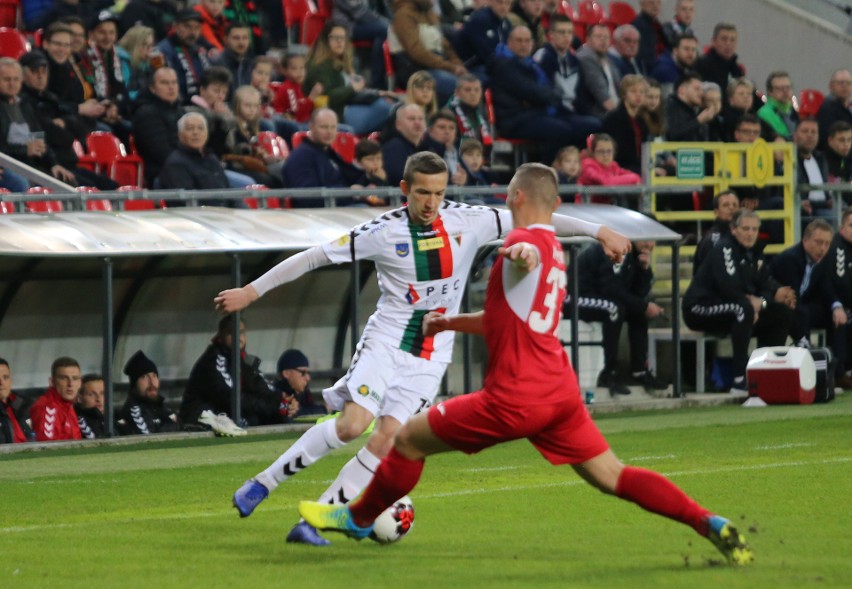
x,y
290,507
785,446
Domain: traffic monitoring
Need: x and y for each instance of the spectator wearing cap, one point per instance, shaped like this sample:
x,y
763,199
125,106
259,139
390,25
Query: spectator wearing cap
x,y
102,61
58,125
185,52
294,376
145,411
158,15
211,385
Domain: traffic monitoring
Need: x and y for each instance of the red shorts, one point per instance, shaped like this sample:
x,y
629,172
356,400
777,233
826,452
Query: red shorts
x,y
563,432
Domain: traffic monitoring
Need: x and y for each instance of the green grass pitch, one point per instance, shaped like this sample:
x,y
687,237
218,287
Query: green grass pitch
x,y
159,515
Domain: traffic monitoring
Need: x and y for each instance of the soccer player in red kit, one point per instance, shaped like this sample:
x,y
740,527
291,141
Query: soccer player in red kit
x,y
530,390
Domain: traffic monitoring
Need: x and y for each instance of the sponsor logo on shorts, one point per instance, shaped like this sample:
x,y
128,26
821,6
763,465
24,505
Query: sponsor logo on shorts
x,y
363,390
343,240
366,391
402,249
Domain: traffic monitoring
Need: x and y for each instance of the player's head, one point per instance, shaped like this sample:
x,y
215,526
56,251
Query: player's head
x,y
92,392
144,376
534,186
424,182
65,377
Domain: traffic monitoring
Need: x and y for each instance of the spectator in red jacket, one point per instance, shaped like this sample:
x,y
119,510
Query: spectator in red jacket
x,y
52,415
289,99
601,170
13,414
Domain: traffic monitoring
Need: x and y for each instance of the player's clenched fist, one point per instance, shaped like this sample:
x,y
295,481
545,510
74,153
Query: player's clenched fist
x,y
235,299
523,255
434,322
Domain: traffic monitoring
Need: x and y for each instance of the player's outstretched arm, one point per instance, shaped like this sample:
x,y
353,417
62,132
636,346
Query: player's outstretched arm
x,y
523,255
237,299
614,243
434,323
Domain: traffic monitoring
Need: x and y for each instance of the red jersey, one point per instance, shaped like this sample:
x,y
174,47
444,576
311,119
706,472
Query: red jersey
x,y
53,418
526,361
289,99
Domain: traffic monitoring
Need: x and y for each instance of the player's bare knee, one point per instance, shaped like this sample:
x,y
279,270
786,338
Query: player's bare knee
x,y
379,444
351,425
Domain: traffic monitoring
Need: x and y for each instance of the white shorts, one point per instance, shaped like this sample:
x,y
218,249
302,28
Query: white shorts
x,y
387,381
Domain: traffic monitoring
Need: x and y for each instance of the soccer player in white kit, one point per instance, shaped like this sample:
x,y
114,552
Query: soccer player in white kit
x,y
423,254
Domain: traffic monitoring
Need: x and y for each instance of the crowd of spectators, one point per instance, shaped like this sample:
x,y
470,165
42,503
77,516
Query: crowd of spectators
x,y
134,70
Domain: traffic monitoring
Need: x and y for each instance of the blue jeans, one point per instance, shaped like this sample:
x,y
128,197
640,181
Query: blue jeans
x,y
445,85
375,31
13,182
237,180
366,118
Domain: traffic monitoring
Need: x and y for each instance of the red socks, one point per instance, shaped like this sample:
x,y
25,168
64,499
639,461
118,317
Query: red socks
x,y
655,493
395,477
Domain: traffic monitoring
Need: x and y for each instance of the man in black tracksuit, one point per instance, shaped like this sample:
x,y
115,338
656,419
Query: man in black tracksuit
x,y
615,293
832,278
733,293
725,205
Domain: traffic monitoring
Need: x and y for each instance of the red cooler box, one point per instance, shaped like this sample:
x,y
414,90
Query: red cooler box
x,y
780,375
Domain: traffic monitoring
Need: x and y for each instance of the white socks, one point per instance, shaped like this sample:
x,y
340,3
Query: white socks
x,y
313,445
353,478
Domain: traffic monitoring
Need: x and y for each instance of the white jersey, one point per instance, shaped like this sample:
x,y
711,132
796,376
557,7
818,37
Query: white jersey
x,y
420,269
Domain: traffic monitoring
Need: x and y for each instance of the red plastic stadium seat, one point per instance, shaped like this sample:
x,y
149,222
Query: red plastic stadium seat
x,y
84,160
9,13
621,13
518,145
12,43
298,136
43,206
273,144
564,7
311,27
809,102
112,159
389,71
344,145
7,208
588,13
295,12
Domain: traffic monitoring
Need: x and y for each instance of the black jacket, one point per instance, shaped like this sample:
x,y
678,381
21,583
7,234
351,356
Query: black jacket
x,y
682,122
17,408
59,139
650,28
190,169
788,268
822,164
708,242
627,283
728,274
19,150
143,416
712,67
211,386
156,15
518,95
155,132
629,134
830,111
91,421
832,277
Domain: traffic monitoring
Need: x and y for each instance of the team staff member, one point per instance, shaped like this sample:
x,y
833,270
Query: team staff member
x,y
833,279
530,389
734,293
423,254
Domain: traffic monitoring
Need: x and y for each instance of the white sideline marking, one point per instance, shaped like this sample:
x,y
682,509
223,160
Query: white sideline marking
x,y
785,446
647,458
494,469
289,507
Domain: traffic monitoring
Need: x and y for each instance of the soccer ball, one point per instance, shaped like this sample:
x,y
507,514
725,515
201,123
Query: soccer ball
x,y
395,522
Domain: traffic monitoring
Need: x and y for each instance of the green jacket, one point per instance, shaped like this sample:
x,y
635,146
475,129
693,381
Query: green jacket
x,y
334,85
773,113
